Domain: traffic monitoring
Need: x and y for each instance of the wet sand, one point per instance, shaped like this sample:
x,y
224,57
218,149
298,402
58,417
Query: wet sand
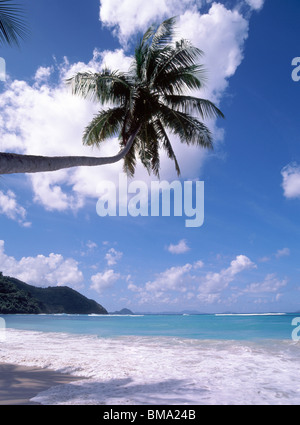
x,y
18,384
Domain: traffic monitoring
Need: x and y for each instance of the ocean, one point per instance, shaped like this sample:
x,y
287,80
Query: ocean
x,y
161,359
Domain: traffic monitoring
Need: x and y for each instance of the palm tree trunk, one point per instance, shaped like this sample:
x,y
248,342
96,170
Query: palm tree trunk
x,y
11,163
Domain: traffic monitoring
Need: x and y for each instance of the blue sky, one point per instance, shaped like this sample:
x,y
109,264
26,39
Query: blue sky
x,y
245,257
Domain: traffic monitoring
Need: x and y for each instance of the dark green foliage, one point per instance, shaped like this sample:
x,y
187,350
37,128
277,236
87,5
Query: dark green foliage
x,y
14,300
12,25
18,297
154,98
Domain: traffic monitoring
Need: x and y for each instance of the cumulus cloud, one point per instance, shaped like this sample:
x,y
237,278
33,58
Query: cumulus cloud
x,y
49,120
213,284
42,271
170,279
45,119
11,209
270,284
291,181
180,248
189,282
43,74
221,34
105,280
131,16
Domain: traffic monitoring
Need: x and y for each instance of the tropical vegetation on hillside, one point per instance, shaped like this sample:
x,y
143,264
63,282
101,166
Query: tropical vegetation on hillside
x,y
19,297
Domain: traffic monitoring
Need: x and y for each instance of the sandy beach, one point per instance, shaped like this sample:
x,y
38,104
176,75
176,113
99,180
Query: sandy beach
x,y
18,384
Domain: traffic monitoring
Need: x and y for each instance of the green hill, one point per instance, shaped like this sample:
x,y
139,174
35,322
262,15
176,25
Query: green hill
x,y
19,297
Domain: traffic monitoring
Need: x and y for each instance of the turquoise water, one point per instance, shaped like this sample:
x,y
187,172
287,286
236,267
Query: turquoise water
x,y
161,359
220,327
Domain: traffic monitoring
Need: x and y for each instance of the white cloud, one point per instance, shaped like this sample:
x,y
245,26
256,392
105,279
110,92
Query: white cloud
x,y
175,279
213,284
285,252
131,16
116,59
180,248
238,265
291,181
264,259
170,279
45,119
185,279
91,245
270,284
49,193
11,209
105,280
49,120
53,270
132,287
221,34
43,74
198,264
255,4
113,256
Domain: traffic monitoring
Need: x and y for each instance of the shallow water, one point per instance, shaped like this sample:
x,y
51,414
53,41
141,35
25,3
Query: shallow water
x,y
155,367
228,327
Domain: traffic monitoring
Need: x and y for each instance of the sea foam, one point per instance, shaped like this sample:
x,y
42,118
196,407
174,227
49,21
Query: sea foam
x,y
159,370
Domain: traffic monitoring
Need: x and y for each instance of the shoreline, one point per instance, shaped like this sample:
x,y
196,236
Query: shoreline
x,y
142,370
19,384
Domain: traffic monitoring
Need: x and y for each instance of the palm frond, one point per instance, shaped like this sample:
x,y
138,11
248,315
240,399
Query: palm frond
x,y
152,100
105,125
148,147
166,144
189,104
12,23
171,60
138,65
164,34
180,80
189,129
130,162
104,87
154,43
148,35
155,158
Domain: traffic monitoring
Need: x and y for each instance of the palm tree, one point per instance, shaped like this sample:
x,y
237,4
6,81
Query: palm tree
x,y
142,107
12,25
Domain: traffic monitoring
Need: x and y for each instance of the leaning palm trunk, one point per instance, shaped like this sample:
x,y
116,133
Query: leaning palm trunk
x,y
145,105
11,163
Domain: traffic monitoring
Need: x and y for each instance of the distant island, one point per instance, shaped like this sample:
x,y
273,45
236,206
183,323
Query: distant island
x,y
17,297
124,311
